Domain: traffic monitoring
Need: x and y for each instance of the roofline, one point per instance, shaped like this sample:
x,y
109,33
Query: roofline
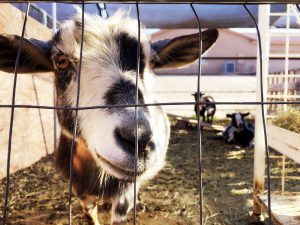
x,y
241,35
162,31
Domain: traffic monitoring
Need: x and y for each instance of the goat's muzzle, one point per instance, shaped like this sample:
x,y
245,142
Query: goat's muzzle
x,y
126,138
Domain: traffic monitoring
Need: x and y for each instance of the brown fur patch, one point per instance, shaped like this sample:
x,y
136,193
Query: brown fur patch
x,y
85,174
85,170
81,156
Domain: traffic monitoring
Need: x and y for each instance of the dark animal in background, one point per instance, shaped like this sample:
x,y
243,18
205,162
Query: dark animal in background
x,y
239,131
207,107
104,153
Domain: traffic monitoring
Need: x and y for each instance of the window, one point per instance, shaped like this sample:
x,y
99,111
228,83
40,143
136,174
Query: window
x,y
229,67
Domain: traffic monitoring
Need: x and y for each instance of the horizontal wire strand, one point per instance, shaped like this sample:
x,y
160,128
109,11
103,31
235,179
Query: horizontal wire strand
x,y
144,105
162,3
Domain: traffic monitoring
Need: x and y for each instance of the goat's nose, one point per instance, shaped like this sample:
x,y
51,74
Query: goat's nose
x,y
125,137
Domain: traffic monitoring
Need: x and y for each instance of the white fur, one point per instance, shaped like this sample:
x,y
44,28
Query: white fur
x,y
99,71
238,118
129,196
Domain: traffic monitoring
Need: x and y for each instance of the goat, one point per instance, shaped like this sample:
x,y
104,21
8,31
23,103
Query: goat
x,y
239,131
104,153
207,107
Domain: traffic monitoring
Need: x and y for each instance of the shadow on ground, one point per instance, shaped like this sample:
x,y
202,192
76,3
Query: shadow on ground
x,y
39,195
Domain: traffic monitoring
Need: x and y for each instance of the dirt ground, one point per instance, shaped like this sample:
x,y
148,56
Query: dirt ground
x,y
38,194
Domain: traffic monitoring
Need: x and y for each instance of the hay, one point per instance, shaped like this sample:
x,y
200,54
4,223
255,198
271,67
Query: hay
x,y
289,120
39,194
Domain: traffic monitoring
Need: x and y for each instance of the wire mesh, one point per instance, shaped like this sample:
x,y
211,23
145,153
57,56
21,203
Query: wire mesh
x,y
263,114
136,151
40,114
78,72
76,109
12,116
199,136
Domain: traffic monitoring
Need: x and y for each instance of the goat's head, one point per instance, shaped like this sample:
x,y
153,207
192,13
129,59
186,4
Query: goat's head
x,y
237,119
200,95
108,74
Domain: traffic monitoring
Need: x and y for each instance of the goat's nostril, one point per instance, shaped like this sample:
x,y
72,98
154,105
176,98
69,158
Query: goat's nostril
x,y
126,139
145,139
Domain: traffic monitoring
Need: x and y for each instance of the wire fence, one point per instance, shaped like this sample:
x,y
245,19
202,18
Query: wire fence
x,y
136,107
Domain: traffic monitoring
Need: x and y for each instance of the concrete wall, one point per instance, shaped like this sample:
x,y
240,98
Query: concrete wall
x,y
29,142
178,88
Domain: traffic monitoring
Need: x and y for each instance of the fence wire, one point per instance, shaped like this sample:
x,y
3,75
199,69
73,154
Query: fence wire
x,y
136,151
78,72
12,113
199,135
263,113
76,109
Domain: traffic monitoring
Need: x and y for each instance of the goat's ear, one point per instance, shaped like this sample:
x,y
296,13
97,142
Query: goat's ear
x,y
35,55
245,114
181,51
229,115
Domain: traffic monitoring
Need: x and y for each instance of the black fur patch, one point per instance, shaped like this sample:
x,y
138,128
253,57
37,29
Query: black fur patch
x,y
78,24
63,79
66,118
244,137
128,53
123,92
57,37
121,209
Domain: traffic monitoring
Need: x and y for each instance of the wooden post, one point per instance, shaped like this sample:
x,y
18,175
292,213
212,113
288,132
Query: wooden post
x,y
286,60
259,151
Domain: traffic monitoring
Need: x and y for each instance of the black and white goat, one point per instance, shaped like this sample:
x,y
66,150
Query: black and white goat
x,y
103,159
239,131
207,107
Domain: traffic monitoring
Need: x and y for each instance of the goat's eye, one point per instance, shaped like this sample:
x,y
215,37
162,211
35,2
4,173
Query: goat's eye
x,y
62,62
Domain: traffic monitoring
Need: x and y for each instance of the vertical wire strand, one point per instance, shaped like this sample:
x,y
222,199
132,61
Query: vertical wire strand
x,y
199,133
263,114
12,115
136,111
54,21
40,114
76,114
54,117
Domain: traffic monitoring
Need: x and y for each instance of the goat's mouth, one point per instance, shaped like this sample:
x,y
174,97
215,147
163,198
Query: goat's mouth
x,y
119,171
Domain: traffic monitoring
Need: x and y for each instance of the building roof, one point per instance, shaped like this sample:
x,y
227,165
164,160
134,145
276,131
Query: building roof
x,y
280,39
176,16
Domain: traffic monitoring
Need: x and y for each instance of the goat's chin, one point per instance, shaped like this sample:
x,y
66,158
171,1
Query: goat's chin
x,y
116,170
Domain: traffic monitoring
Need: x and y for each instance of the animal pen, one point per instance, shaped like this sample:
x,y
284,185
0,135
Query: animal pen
x,y
273,90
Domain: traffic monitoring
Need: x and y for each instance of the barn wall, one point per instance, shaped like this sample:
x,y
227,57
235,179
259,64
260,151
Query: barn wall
x,y
29,143
232,44
170,88
243,46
